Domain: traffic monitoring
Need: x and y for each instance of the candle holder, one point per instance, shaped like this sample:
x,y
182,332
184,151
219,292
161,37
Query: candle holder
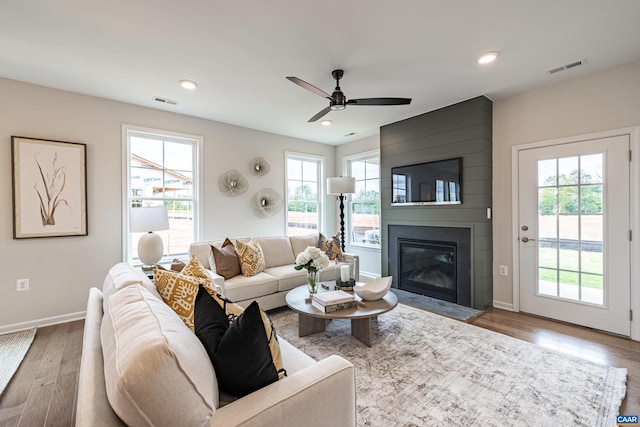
x,y
346,273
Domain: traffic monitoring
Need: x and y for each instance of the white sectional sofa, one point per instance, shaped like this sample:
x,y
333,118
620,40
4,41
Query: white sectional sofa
x,y
269,287
142,366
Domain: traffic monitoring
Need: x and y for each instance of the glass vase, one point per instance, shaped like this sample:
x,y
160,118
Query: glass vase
x,y
312,281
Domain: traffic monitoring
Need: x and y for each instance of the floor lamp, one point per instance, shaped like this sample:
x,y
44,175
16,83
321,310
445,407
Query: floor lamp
x,y
148,220
340,186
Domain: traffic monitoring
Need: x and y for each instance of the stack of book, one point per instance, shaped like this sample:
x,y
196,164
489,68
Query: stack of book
x,y
331,301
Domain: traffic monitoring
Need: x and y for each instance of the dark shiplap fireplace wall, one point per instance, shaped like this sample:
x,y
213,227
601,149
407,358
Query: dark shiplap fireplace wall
x,y
460,130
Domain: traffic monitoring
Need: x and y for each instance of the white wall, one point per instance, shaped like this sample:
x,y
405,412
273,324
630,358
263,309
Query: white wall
x,y
369,257
61,270
597,102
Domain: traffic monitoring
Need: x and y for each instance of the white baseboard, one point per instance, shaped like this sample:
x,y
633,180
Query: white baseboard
x,y
503,305
47,321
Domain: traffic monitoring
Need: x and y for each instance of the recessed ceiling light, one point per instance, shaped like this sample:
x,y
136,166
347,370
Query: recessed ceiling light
x,y
188,84
326,122
488,57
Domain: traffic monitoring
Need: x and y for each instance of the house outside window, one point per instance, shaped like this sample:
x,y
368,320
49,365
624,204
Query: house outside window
x,y
304,187
364,205
161,168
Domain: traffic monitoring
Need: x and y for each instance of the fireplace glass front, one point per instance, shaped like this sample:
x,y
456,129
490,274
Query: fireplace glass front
x,y
428,268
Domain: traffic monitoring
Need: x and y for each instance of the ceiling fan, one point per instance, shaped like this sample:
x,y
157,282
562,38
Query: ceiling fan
x,y
337,100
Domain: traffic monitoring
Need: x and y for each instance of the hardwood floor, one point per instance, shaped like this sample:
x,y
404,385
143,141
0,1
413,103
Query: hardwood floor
x,y
43,391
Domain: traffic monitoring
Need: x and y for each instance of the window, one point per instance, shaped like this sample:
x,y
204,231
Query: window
x,y
304,178
364,207
162,169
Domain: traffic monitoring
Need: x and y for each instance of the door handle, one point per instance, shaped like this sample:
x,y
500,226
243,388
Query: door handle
x,y
526,239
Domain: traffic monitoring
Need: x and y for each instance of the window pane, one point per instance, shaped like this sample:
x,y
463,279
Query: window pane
x,y
548,255
591,167
568,171
547,173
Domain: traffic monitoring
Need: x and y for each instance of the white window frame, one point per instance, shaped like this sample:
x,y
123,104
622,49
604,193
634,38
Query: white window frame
x,y
347,161
127,131
320,160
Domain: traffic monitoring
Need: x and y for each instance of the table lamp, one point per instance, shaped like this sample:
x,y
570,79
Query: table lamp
x,y
341,185
148,220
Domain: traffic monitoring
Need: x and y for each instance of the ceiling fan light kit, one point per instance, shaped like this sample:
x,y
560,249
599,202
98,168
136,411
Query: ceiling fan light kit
x,y
338,101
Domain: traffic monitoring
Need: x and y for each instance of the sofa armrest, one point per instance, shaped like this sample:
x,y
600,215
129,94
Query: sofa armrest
x,y
350,257
92,405
218,281
320,395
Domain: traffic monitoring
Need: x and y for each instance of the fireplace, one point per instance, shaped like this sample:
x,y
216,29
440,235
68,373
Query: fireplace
x,y
428,268
432,261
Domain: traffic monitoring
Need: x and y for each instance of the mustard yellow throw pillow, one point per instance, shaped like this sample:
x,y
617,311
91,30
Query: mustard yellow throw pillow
x,y
179,292
251,257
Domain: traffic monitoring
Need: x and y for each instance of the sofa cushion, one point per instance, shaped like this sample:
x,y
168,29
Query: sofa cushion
x,y
288,277
246,356
226,259
242,288
300,243
251,257
156,371
119,277
277,251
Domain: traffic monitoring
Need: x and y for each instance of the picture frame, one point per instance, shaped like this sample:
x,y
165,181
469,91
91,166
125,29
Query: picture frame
x,y
49,188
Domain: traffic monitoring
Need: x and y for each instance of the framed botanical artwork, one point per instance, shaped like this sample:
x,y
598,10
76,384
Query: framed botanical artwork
x,y
49,188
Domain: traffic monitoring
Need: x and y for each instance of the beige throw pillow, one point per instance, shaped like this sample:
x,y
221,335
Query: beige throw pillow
x,y
251,257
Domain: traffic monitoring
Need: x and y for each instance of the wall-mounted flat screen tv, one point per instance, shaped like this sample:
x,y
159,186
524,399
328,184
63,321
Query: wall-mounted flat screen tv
x,y
430,183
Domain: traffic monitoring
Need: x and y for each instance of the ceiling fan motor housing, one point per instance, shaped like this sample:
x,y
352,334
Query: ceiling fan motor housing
x,y
338,100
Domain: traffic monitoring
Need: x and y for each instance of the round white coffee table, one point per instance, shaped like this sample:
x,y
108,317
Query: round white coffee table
x,y
311,320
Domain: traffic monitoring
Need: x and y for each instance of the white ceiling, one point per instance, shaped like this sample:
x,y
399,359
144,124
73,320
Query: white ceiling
x,y
240,52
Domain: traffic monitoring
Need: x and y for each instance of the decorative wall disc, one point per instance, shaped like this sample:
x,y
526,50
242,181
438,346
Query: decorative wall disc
x,y
266,203
232,183
259,167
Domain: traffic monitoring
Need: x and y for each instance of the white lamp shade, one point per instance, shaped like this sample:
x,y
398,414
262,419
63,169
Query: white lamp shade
x,y
154,218
341,185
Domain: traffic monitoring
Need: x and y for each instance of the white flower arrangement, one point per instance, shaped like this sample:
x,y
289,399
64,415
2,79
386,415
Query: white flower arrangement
x,y
312,259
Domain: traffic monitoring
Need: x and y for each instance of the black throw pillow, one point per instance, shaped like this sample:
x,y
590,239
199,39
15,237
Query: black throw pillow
x,y
210,321
248,359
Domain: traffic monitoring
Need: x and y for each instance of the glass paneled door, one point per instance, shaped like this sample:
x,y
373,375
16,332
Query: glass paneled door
x,y
574,233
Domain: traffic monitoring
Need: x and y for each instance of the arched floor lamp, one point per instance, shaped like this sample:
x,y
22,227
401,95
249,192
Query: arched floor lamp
x,y
340,186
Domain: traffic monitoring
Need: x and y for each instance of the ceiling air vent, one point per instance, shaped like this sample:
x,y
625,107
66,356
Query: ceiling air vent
x,y
165,100
567,66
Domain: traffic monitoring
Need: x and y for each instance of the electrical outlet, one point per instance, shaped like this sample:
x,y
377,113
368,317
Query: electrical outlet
x,y
22,285
504,270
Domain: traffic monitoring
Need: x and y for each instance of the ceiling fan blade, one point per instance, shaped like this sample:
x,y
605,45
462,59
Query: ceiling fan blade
x,y
320,114
309,87
380,101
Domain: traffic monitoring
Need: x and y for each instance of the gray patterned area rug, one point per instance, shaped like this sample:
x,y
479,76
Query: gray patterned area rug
x,y
427,370
13,347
